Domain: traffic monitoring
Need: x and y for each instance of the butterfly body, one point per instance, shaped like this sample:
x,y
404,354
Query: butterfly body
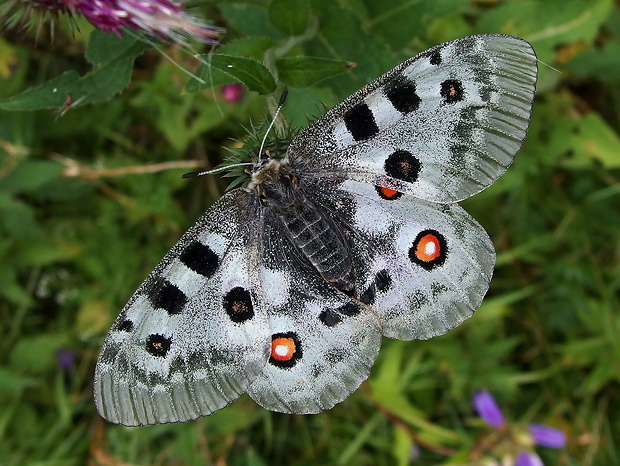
x,y
284,193
284,288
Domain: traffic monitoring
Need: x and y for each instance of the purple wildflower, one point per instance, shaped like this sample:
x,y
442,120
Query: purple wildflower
x,y
160,18
66,359
539,434
547,436
528,459
487,409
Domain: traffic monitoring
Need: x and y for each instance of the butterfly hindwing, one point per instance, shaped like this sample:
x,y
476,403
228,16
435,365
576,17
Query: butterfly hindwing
x,y
441,126
333,339
194,335
426,266
337,340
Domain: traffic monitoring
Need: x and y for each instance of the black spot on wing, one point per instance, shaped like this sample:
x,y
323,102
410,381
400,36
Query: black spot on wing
x,y
368,296
402,165
238,305
350,309
330,318
125,326
452,91
158,345
167,296
435,58
383,281
360,122
200,258
402,94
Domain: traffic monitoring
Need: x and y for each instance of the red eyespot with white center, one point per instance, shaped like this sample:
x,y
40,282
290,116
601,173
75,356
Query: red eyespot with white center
x,y
285,349
282,349
429,249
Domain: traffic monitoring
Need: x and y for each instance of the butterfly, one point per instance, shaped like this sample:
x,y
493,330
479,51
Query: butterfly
x,y
350,231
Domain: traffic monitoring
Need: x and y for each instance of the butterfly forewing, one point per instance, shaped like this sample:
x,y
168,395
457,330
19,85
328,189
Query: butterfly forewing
x,y
441,126
195,334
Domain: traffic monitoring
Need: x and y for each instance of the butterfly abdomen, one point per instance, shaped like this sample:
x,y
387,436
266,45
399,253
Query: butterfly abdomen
x,y
310,230
313,234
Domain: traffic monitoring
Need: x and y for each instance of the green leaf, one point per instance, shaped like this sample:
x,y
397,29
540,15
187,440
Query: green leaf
x,y
18,218
598,62
13,68
11,290
44,252
113,60
248,19
52,94
402,446
593,138
343,37
571,20
104,48
250,72
180,118
248,47
397,22
307,71
290,16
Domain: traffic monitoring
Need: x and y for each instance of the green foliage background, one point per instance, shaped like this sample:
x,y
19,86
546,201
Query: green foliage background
x,y
86,211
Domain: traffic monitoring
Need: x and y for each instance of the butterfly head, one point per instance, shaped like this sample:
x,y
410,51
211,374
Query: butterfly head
x,y
273,179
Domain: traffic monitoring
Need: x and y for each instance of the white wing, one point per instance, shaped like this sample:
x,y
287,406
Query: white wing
x,y
195,334
424,267
441,126
336,338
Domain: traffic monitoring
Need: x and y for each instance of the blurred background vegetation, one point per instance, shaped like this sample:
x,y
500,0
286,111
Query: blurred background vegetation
x,y
91,197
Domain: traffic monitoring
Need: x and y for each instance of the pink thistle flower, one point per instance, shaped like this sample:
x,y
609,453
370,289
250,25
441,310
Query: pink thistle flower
x,y
160,18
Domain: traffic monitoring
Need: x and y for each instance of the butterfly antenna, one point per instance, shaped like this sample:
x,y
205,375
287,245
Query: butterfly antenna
x,y
215,170
273,120
226,167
